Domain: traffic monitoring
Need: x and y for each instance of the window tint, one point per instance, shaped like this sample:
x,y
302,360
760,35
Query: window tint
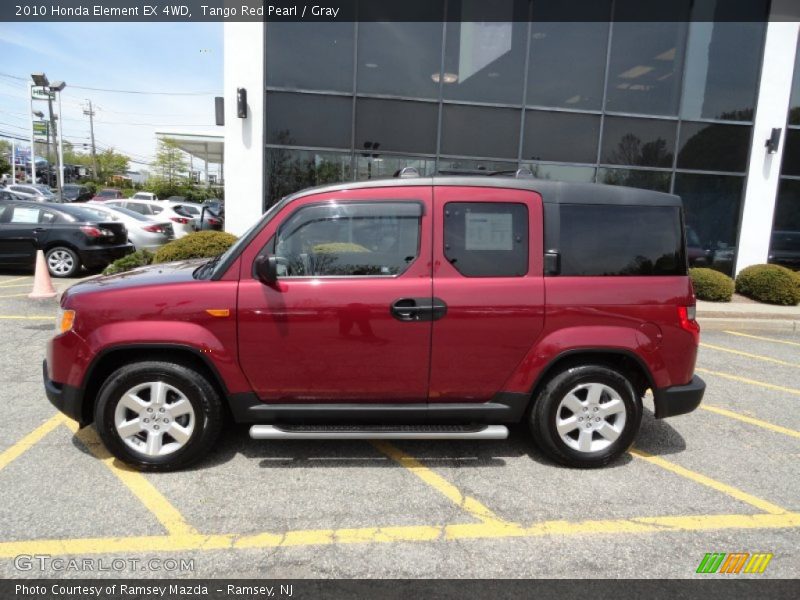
x,y
155,210
486,239
139,208
308,120
480,131
292,170
621,240
560,136
713,147
640,142
395,125
309,55
349,239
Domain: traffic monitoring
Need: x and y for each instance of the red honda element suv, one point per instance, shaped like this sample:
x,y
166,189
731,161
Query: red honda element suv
x,y
444,307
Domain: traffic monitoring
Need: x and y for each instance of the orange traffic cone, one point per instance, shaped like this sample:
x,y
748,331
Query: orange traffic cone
x,y
42,285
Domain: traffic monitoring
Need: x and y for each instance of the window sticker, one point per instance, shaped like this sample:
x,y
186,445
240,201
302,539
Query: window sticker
x,y
489,231
25,215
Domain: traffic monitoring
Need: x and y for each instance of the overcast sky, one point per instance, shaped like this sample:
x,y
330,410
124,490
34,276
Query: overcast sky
x,y
148,57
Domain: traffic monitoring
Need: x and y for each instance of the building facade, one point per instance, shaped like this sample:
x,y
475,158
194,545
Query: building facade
x,y
684,104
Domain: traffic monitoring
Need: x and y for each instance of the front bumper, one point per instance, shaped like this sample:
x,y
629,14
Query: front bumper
x,y
67,399
101,256
679,399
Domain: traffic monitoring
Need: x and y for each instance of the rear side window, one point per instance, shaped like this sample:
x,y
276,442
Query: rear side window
x,y
621,240
486,239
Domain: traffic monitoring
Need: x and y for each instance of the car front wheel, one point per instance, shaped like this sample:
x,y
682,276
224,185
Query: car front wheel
x,y
158,416
586,416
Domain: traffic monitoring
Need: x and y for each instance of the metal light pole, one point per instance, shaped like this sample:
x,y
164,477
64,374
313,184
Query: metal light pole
x,y
33,142
58,87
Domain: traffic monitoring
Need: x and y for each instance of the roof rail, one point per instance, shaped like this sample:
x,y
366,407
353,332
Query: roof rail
x,y
406,173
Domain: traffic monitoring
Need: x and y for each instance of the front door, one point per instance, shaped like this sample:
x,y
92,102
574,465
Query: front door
x,y
19,227
349,319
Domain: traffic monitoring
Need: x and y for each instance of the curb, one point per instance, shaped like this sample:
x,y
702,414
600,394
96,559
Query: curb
x,y
749,323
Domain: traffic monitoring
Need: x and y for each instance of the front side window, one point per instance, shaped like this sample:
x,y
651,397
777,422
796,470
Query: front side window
x,y
353,239
486,239
621,240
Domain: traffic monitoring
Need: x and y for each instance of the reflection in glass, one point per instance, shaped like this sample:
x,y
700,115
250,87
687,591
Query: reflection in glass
x,y
480,131
401,59
791,153
723,60
785,243
712,205
396,125
568,59
308,120
646,57
647,180
381,166
713,147
639,142
561,172
455,166
560,136
309,55
485,57
794,103
291,170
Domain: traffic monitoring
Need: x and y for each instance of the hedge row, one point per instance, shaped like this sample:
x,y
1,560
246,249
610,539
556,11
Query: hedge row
x,y
202,244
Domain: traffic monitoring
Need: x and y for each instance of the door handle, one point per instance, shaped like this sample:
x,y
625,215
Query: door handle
x,y
418,309
39,230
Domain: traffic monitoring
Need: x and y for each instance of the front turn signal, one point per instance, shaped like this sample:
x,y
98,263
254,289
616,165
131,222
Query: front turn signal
x,y
64,321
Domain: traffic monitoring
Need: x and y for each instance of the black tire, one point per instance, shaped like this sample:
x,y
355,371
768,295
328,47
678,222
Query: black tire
x,y
204,399
544,414
65,251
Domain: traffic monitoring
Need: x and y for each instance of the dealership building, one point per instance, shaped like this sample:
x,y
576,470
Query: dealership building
x,y
692,103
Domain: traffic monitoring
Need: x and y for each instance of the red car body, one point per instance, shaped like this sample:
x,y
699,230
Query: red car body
x,y
318,342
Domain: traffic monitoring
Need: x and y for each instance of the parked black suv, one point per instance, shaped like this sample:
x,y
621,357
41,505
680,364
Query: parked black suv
x,y
70,236
76,193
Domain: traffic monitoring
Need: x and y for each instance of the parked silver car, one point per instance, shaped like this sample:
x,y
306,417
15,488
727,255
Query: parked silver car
x,y
179,213
34,192
143,233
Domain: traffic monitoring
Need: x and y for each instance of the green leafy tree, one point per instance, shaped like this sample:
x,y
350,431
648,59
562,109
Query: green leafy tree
x,y
170,164
5,157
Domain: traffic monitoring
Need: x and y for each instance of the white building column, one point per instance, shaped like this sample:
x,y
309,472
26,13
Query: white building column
x,y
244,138
763,171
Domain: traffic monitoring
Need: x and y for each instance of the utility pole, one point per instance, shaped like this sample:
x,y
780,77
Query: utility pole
x,y
50,133
33,136
90,114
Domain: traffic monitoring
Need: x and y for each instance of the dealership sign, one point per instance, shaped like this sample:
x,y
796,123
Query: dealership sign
x,y
40,128
39,93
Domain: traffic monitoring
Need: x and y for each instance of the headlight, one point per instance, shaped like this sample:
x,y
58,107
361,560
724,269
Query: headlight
x,y
64,321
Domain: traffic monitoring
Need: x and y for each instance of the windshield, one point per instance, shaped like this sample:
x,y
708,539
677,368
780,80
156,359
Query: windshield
x,y
43,189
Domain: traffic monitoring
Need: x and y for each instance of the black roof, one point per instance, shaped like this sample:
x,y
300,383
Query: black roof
x,y
552,192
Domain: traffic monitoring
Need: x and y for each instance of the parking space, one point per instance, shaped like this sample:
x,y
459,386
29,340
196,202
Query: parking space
x,y
722,479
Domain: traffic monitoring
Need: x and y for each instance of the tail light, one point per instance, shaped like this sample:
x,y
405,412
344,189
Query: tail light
x,y
212,221
181,220
686,317
96,232
154,228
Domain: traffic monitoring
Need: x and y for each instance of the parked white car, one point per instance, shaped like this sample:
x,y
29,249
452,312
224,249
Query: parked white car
x,y
33,192
180,213
144,196
143,233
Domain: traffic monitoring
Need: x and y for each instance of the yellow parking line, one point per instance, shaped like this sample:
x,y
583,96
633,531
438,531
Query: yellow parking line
x,y
3,283
726,489
23,318
769,386
441,485
154,501
29,440
752,421
409,533
766,339
750,355
14,296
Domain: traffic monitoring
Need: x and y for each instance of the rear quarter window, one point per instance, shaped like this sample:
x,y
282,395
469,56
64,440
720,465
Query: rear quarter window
x,y
597,240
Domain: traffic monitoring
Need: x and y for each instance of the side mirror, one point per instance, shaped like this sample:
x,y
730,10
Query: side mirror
x,y
266,268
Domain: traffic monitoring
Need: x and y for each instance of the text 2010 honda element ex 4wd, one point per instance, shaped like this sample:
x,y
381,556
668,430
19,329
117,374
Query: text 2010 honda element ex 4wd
x,y
406,308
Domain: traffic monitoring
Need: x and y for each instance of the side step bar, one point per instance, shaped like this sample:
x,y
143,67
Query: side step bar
x,y
378,432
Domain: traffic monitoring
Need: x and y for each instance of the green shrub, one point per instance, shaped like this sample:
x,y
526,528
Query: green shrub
x,y
711,285
202,244
338,247
769,283
140,258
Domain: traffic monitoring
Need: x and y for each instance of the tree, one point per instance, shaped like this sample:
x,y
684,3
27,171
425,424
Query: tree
x,y
170,163
110,163
5,157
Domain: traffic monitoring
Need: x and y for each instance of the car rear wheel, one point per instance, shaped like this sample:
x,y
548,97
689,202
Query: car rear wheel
x,y
62,261
158,416
586,416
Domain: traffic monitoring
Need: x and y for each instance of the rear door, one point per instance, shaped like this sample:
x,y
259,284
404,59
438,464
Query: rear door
x,y
20,225
349,317
488,253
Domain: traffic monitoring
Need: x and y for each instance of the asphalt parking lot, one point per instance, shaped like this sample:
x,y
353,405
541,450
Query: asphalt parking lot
x,y
723,479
